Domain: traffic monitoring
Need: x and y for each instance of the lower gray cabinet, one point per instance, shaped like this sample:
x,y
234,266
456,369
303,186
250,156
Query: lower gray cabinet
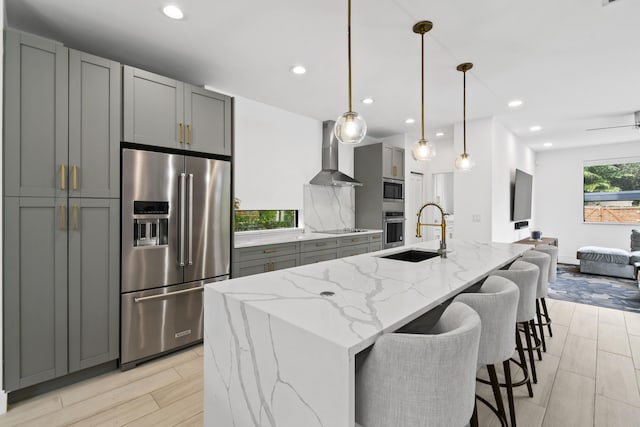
x,y
61,288
360,249
93,282
318,256
262,265
35,290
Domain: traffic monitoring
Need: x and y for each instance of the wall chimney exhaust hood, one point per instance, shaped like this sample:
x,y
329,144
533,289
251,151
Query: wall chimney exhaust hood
x,y
330,175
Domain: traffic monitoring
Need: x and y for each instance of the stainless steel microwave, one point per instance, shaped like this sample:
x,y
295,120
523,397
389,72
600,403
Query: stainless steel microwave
x,y
392,190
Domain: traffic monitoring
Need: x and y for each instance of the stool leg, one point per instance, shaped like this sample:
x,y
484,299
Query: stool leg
x,y
495,385
474,417
527,332
507,376
536,340
539,314
523,361
546,315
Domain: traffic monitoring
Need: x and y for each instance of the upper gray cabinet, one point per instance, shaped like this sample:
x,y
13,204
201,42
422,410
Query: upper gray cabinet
x,y
167,113
35,117
94,126
392,162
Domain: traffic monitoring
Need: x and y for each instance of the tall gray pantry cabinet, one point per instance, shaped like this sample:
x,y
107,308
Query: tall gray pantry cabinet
x,y
61,210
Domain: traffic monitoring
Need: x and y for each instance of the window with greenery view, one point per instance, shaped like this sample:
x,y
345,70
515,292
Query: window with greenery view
x,y
265,220
612,191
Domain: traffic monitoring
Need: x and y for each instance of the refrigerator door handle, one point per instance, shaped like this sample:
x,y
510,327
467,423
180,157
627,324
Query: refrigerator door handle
x,y
182,221
190,219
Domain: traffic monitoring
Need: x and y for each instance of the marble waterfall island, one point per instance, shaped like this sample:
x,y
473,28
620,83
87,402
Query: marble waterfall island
x,y
280,347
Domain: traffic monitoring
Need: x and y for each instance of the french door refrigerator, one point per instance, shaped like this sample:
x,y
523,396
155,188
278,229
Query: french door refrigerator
x,y
176,237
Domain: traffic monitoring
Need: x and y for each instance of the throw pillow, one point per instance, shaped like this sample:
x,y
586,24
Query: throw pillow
x,y
635,240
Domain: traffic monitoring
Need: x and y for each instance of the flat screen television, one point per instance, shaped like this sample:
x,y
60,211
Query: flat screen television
x,y
521,207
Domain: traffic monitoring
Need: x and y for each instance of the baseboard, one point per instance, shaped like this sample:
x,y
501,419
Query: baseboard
x,y
3,402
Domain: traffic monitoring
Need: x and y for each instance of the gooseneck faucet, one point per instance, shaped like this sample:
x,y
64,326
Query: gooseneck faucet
x,y
442,225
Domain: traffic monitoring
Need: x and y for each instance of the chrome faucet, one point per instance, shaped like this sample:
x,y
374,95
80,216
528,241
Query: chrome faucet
x,y
443,225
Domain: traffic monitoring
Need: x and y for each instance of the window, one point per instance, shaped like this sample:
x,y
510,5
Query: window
x,y
265,220
612,191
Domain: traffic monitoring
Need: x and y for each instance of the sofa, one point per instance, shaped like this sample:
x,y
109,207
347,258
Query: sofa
x,y
612,261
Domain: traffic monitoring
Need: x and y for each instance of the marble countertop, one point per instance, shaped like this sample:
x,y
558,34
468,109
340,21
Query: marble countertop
x,y
371,295
273,238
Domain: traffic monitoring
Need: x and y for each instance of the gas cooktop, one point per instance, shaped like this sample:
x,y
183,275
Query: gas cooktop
x,y
343,231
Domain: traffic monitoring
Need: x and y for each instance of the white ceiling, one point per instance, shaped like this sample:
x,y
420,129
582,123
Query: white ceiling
x,y
574,63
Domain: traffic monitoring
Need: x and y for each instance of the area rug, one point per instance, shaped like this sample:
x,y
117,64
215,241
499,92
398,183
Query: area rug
x,y
603,291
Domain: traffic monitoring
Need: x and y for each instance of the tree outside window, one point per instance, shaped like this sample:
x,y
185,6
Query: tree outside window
x,y
612,191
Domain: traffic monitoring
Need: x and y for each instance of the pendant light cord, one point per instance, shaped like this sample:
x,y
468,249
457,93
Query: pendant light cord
x,y
464,111
349,50
422,99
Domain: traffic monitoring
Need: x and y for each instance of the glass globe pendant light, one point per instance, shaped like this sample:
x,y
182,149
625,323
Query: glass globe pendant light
x,y
350,128
464,162
423,149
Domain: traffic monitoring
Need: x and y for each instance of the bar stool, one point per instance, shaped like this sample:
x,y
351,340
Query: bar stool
x,y
496,302
552,251
543,261
410,380
525,276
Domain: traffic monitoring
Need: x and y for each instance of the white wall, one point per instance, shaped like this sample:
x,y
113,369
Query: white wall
x,y
558,195
276,153
508,154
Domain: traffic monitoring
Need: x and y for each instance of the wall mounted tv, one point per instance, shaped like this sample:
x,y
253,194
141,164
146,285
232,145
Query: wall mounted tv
x,y
521,196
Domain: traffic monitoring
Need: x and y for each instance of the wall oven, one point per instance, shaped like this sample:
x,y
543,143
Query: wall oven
x,y
392,190
393,228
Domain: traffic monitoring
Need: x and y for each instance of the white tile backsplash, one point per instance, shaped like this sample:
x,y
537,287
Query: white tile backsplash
x,y
328,207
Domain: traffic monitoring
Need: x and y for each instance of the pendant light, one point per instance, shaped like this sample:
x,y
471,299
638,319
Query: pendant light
x,y
464,161
350,128
423,149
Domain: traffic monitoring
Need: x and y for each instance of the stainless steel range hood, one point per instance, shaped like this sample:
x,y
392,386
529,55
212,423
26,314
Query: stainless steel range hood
x,y
330,175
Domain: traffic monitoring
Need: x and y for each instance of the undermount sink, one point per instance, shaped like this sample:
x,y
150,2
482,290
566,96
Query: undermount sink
x,y
412,255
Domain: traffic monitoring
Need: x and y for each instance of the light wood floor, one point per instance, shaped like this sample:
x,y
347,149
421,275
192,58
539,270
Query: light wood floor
x,y
588,377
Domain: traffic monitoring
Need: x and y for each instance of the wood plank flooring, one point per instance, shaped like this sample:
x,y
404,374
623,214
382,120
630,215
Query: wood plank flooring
x,y
588,377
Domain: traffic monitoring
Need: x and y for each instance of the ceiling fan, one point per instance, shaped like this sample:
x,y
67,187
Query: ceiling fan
x,y
636,117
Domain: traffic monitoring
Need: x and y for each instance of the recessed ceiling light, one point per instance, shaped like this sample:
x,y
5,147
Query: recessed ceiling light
x,y
515,103
298,69
440,134
173,12
548,144
367,100
535,128
409,121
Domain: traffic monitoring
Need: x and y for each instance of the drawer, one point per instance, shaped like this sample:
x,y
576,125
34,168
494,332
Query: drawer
x,y
316,245
318,256
257,252
375,237
373,247
264,264
353,240
353,250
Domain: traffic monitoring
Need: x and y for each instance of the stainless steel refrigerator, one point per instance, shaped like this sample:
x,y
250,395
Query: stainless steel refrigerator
x,y
176,237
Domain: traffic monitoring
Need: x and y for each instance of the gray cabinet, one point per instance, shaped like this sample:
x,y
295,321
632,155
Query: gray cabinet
x,y
360,249
94,126
260,259
94,285
35,116
318,256
164,112
35,290
392,162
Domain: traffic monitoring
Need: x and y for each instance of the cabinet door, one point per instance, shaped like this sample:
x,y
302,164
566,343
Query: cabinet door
x,y
35,290
35,117
398,163
387,162
94,286
94,126
152,109
208,121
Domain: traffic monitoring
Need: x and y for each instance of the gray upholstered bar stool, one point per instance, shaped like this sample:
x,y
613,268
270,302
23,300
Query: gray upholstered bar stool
x,y
410,380
543,261
496,302
552,251
525,276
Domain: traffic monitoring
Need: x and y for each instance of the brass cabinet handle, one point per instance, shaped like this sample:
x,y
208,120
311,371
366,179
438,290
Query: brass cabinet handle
x,y
395,171
62,180
62,218
75,178
269,251
75,217
181,136
188,134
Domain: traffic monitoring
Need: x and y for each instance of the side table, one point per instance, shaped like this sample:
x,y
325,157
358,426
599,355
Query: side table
x,y
544,241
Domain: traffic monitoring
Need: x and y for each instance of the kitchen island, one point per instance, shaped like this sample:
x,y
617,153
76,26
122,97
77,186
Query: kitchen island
x,y
280,347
